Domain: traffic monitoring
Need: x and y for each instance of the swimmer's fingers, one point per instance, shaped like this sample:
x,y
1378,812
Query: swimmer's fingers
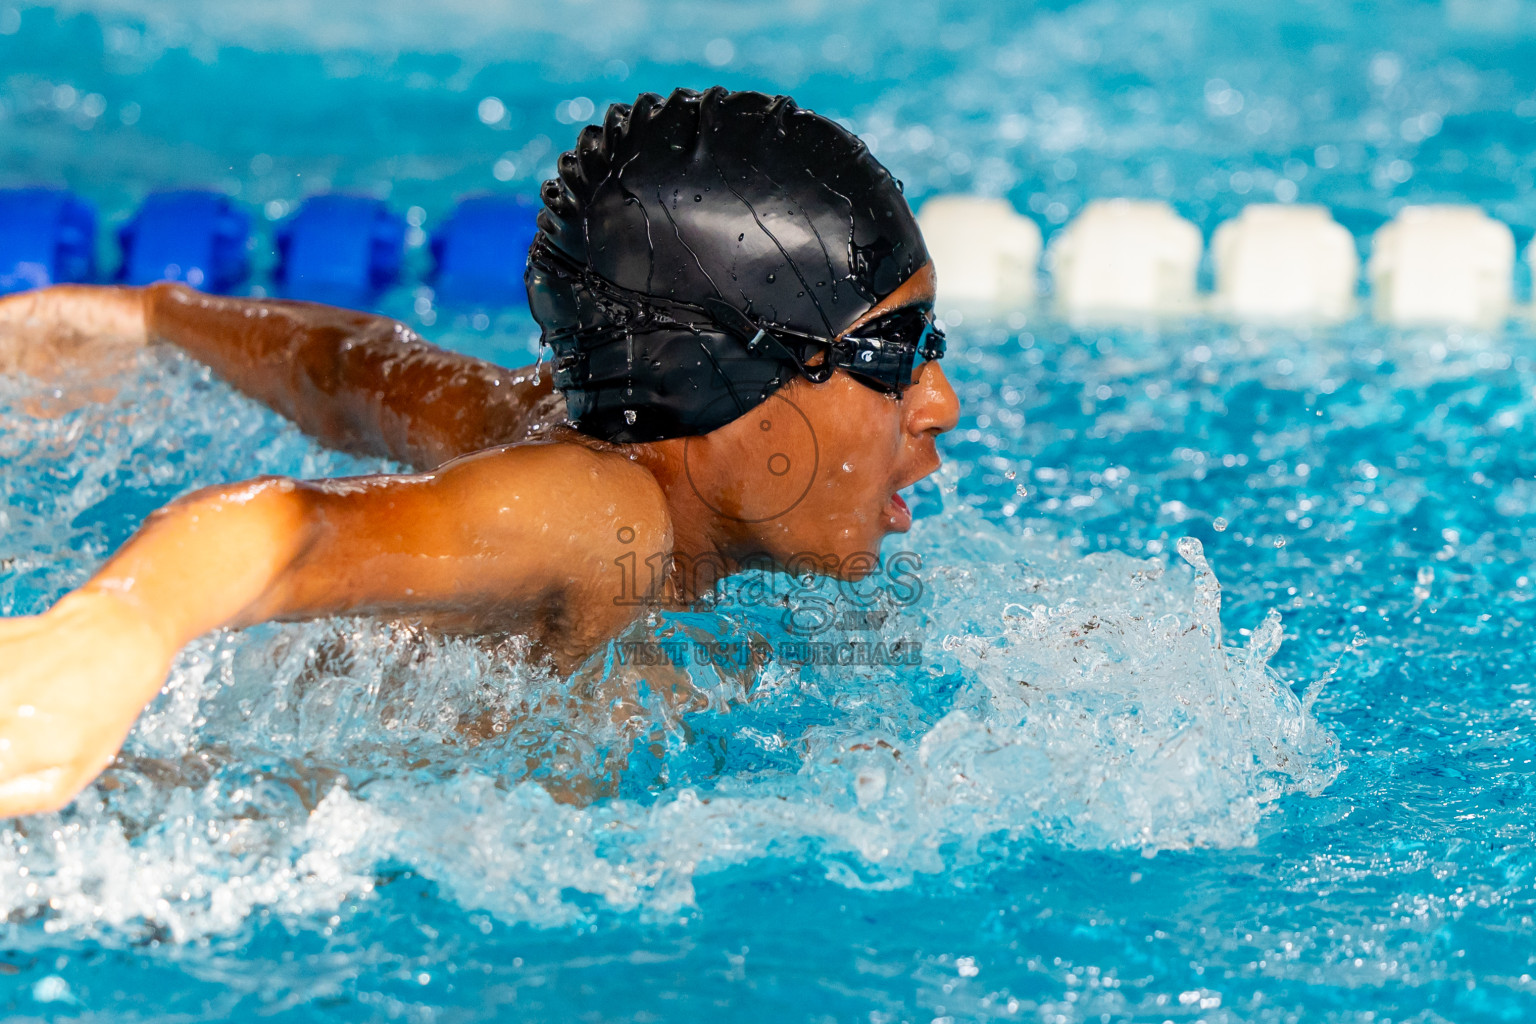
x,y
45,764
72,681
37,793
46,759
68,322
108,311
18,311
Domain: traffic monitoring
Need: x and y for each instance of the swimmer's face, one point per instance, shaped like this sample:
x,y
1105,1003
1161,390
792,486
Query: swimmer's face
x,y
815,470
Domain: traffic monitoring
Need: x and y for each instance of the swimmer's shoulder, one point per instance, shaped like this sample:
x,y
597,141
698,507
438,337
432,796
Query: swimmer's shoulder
x,y
595,498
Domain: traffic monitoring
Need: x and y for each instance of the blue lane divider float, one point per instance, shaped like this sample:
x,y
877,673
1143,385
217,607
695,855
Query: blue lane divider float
x,y
339,249
192,236
481,250
47,236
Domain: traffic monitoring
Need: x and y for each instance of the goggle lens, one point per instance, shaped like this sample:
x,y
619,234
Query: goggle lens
x,y
884,351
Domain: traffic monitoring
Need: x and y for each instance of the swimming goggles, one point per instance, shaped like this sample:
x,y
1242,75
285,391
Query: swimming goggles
x,y
881,354
884,352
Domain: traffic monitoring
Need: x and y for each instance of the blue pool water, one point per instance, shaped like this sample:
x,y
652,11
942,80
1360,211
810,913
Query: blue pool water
x,y
1279,770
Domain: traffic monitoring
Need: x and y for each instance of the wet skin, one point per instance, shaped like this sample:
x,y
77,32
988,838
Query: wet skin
x,y
514,523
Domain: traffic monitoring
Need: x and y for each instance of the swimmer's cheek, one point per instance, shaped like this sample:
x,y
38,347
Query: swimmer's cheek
x,y
72,682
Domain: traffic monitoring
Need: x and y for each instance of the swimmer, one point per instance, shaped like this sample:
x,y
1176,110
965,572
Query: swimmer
x,y
744,372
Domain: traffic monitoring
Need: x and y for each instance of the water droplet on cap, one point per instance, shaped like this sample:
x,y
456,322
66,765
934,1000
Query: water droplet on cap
x,y
630,417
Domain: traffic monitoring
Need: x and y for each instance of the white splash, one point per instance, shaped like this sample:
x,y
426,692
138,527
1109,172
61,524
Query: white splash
x,y
1080,702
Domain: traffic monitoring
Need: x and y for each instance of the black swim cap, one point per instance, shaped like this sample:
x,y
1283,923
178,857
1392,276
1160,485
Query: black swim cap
x,y
694,251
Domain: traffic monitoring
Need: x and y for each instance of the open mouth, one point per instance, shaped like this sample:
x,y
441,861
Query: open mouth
x,y
898,517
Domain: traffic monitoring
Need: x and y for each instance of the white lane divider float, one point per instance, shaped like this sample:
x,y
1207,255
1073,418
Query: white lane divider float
x,y
1125,257
1442,265
1282,263
986,252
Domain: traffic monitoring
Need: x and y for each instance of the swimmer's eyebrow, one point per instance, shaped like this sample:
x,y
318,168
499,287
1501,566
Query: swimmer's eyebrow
x,y
917,290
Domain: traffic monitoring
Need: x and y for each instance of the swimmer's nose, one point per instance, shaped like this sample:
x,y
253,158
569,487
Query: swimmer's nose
x,y
930,403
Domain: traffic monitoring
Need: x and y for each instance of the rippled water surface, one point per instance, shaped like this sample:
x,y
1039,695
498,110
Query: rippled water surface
x,y
1221,705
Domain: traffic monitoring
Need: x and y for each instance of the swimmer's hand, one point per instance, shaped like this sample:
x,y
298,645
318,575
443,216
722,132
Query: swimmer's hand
x,y
72,681
67,323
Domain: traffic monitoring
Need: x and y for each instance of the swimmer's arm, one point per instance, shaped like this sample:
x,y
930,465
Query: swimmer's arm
x,y
352,380
524,537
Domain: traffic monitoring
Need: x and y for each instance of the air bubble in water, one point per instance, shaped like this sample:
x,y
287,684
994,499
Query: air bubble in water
x,y
1220,524
1422,583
